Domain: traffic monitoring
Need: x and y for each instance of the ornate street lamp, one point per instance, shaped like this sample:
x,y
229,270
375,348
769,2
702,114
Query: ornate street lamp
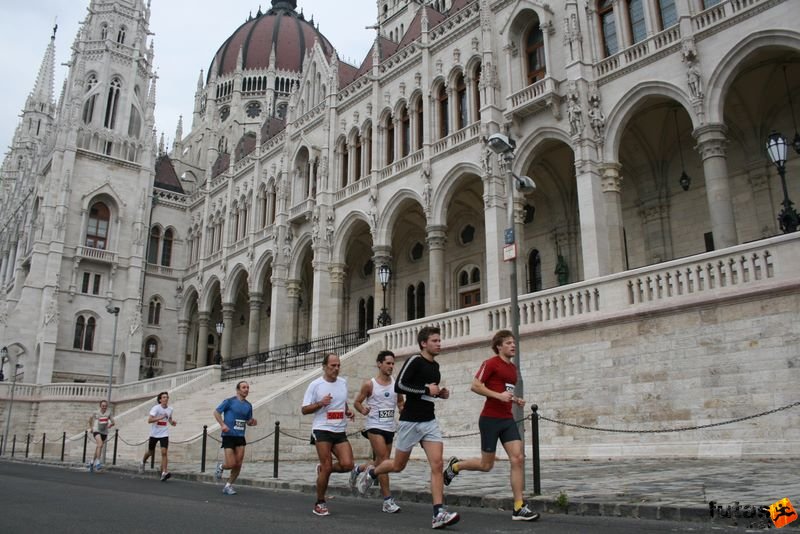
x,y
777,149
114,310
684,180
384,275
151,349
218,357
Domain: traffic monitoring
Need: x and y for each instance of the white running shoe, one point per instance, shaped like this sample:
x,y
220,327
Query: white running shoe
x,y
321,509
444,519
353,479
165,476
524,514
365,482
389,506
228,490
218,471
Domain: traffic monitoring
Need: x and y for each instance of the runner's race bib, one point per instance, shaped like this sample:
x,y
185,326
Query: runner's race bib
x,y
239,424
385,416
335,415
161,423
510,388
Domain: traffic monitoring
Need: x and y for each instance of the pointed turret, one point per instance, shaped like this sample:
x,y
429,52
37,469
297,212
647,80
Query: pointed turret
x,y
45,82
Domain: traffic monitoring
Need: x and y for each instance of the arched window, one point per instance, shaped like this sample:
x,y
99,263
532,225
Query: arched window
x,y
154,312
166,248
344,160
88,106
405,132
461,103
443,103
389,140
668,14
112,104
368,149
476,90
418,125
636,17
153,246
608,27
357,154
534,54
121,35
135,123
420,300
370,311
84,333
103,31
80,326
411,303
469,287
97,229
534,271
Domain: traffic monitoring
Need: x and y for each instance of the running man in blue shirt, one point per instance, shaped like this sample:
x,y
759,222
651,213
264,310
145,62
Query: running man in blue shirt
x,y
234,414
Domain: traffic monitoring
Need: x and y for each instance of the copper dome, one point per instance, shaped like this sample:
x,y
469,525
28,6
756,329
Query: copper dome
x,y
281,28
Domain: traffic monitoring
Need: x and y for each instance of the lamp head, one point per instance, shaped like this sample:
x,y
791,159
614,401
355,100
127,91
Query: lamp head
x,y
776,148
384,274
685,181
501,144
4,352
525,184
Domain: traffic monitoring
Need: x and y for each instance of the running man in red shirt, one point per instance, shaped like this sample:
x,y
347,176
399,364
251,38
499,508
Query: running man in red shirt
x,y
496,380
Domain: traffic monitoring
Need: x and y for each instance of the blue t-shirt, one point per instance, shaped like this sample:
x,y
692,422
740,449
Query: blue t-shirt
x,y
236,414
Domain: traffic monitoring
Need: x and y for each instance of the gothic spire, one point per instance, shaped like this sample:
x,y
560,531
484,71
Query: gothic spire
x,y
44,89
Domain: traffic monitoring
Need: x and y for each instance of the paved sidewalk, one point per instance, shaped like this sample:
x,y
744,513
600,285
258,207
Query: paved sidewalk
x,y
675,489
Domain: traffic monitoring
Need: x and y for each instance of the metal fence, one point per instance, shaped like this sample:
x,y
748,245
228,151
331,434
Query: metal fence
x,y
299,355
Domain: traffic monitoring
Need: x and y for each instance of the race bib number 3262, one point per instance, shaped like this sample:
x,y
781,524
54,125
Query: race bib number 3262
x,y
336,415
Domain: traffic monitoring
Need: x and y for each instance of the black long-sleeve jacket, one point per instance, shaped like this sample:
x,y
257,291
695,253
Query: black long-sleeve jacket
x,y
416,372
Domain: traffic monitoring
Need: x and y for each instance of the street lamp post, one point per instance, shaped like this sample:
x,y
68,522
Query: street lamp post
x,y
14,368
115,311
384,275
777,149
218,357
151,349
504,147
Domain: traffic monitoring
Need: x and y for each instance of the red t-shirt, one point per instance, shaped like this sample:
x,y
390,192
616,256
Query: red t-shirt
x,y
498,376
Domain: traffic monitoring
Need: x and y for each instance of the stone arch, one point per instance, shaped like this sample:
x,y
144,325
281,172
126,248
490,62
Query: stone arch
x,y
264,263
233,281
300,244
724,73
343,233
444,192
206,302
190,293
622,112
392,212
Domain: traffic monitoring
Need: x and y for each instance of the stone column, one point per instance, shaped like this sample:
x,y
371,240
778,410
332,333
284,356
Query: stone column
x,y
337,277
494,222
254,325
763,205
654,212
228,309
202,339
281,314
436,239
612,185
183,339
712,143
321,305
594,230
292,309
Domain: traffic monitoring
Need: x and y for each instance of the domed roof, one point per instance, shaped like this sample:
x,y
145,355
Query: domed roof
x,y
281,29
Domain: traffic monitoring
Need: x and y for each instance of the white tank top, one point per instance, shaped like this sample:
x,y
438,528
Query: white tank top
x,y
382,407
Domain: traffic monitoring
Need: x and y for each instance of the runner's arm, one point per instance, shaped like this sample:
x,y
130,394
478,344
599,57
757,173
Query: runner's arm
x,y
366,391
401,402
91,422
481,389
221,421
405,382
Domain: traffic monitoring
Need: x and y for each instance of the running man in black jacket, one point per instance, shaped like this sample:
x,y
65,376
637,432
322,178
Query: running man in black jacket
x,y
419,382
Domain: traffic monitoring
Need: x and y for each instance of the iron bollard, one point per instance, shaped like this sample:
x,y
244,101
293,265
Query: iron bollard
x,y
27,444
85,441
2,442
537,474
13,445
63,444
44,440
276,452
116,439
203,451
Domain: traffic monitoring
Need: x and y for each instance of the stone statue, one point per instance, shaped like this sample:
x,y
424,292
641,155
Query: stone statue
x,y
597,120
562,270
329,229
694,80
372,212
574,110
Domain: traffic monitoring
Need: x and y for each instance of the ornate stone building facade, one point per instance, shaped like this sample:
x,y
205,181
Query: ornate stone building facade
x,y
642,122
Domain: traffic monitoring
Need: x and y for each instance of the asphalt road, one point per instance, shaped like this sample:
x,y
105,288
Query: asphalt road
x,y
45,499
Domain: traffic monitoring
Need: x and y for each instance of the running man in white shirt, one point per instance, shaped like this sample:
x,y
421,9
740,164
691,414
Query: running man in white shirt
x,y
160,418
99,424
326,398
382,402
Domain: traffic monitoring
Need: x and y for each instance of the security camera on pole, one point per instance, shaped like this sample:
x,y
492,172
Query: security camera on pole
x,y
504,147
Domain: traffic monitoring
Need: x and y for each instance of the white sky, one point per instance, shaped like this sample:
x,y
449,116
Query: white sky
x,y
187,35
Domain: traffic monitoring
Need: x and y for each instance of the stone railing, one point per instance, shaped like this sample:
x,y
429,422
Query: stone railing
x,y
533,97
354,188
162,270
95,392
96,254
462,136
730,273
639,51
399,165
721,12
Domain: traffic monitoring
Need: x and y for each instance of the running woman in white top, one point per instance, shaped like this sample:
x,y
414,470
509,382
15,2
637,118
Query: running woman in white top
x,y
99,424
159,418
382,403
